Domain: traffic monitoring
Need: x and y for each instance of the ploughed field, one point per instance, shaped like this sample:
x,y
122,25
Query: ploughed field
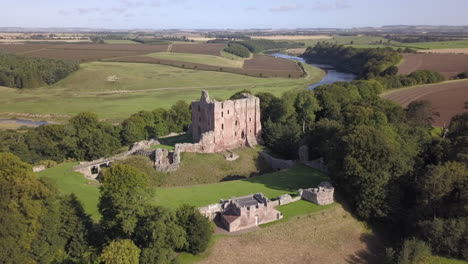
x,y
448,99
448,65
258,66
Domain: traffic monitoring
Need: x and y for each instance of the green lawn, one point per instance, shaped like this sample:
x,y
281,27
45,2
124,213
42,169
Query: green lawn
x,y
119,41
456,44
69,181
359,41
137,87
198,58
442,260
272,185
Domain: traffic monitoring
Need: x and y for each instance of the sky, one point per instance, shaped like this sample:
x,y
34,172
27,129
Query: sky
x,y
230,14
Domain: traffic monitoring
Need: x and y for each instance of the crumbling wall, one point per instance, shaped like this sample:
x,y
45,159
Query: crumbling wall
x,y
211,211
165,160
275,163
322,195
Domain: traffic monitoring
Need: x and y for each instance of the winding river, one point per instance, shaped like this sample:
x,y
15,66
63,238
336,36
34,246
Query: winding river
x,y
331,76
24,122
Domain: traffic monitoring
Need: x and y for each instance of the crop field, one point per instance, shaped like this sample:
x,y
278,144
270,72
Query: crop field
x,y
293,37
116,90
119,41
448,65
446,51
206,48
455,44
199,59
258,66
20,48
307,238
448,98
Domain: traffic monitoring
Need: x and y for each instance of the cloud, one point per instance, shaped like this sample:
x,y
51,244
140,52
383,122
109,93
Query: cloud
x,y
63,12
83,11
250,8
118,9
332,5
284,8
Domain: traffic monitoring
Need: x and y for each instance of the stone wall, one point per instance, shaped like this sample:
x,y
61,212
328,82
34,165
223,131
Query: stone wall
x,y
322,195
230,124
275,163
165,160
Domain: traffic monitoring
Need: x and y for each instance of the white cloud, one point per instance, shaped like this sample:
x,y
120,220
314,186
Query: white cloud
x,y
284,8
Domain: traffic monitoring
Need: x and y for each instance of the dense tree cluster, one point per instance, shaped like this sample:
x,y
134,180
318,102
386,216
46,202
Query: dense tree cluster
x,y
85,137
237,49
260,45
40,226
392,81
18,71
366,63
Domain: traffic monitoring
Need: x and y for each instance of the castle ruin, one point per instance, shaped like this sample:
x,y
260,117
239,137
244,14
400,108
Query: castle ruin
x,y
322,195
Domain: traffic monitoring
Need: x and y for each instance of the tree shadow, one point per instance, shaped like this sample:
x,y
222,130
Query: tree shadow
x,y
171,141
233,178
374,252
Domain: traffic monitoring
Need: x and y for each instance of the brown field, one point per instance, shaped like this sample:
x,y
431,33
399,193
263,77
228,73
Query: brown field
x,y
206,48
330,236
448,99
260,67
446,51
448,65
20,48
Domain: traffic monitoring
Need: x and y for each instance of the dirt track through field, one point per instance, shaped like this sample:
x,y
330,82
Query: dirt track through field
x,y
447,98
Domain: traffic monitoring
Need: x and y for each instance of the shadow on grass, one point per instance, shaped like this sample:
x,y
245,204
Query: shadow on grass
x,y
171,141
373,253
297,177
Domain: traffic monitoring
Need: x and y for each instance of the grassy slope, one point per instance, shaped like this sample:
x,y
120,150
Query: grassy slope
x,y
198,58
272,185
69,182
215,168
140,87
438,44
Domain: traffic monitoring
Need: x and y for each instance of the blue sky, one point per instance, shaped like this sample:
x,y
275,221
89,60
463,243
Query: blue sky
x,y
221,14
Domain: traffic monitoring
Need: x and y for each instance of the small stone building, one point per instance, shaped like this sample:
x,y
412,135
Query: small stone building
x,y
248,211
226,125
322,195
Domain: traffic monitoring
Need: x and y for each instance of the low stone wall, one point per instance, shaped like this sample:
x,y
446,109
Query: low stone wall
x,y
210,211
39,168
318,164
275,163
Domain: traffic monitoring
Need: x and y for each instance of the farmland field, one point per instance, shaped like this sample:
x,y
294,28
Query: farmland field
x,y
116,90
206,49
293,37
119,41
445,51
199,59
448,65
447,98
455,44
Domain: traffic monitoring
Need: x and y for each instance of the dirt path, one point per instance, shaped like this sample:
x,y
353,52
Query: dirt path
x,y
330,236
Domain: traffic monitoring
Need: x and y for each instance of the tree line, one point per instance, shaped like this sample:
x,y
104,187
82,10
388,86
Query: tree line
x,y
18,71
383,160
42,226
237,49
85,137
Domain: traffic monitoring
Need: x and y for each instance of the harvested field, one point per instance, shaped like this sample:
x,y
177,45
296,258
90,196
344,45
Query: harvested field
x,y
82,55
258,66
446,51
448,65
20,48
113,47
206,49
328,236
448,99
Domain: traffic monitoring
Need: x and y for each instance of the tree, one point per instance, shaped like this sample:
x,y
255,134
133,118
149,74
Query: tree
x,y
238,95
120,252
420,112
305,106
179,117
197,227
123,193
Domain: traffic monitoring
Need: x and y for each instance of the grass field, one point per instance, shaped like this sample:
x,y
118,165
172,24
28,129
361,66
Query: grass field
x,y
119,41
272,185
69,181
456,44
442,260
136,87
199,58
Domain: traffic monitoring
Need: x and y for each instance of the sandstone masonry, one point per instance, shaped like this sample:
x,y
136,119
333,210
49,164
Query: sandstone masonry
x,y
322,195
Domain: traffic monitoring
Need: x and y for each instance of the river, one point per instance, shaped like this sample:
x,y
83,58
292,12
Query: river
x,y
331,76
23,122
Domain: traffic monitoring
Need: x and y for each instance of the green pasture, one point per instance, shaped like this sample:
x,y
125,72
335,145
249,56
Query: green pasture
x,y
360,41
69,181
116,90
119,41
456,44
443,260
198,58
271,185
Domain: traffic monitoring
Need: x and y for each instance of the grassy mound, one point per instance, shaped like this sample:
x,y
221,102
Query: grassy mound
x,y
199,58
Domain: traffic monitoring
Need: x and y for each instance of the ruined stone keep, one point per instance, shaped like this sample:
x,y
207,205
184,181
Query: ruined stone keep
x,y
322,195
226,125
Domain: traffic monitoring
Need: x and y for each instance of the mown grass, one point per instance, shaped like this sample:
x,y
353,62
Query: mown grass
x,y
138,87
198,58
271,185
443,260
69,181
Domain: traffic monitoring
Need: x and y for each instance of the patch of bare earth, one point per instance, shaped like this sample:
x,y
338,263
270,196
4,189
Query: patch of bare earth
x,y
448,65
448,99
330,236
